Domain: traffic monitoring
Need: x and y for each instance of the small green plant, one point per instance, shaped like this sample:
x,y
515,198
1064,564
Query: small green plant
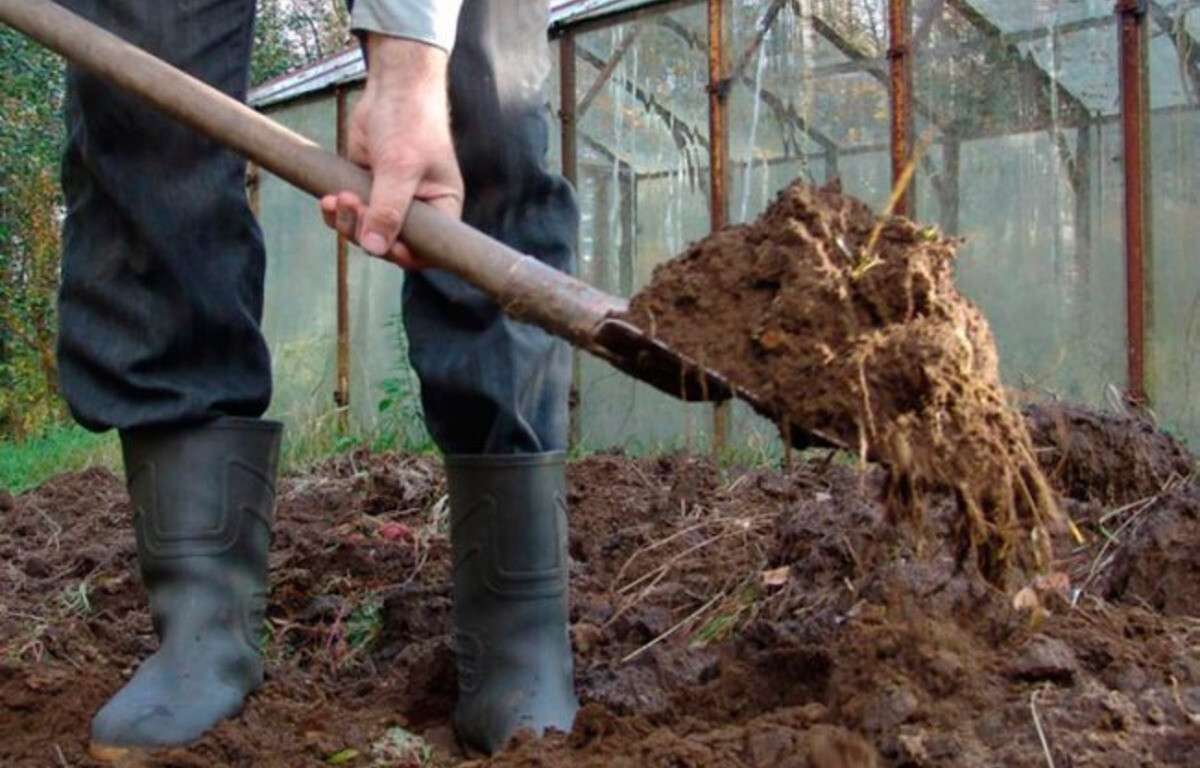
x,y
364,625
76,600
733,614
401,425
399,747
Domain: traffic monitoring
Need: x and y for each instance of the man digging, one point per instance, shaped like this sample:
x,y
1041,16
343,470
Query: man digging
x,y
160,309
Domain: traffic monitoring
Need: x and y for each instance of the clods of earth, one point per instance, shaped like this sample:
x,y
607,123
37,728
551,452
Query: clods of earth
x,y
721,617
848,325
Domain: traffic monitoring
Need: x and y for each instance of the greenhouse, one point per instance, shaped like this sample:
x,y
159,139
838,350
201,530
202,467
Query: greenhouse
x,y
1057,138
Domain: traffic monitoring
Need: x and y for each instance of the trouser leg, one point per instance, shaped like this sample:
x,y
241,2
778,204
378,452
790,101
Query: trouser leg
x,y
163,261
490,384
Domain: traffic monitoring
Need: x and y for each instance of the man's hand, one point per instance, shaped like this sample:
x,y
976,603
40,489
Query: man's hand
x,y
400,131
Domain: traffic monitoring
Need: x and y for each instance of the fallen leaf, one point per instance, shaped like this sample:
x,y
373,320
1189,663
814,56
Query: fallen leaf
x,y
777,577
1026,600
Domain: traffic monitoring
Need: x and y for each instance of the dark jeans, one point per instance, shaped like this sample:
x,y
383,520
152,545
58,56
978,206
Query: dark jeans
x,y
163,261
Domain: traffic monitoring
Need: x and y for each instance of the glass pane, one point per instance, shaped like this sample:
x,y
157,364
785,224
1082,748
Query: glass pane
x,y
1023,15
1026,166
642,120
1174,336
300,308
809,99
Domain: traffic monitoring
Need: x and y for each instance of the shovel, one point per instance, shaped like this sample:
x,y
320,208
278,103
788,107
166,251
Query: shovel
x,y
522,286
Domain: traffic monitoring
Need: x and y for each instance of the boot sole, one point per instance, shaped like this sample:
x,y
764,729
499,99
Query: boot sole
x,y
123,757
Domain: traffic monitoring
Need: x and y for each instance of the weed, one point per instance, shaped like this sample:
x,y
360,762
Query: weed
x,y
364,625
401,424
76,600
398,747
732,615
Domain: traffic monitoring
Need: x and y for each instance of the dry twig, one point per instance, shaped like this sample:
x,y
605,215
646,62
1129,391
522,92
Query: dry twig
x,y
1037,723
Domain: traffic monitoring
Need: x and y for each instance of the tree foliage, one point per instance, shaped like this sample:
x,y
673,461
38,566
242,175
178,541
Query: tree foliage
x,y
294,33
31,134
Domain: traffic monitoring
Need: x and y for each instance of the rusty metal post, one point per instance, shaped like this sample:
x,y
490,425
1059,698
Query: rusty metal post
x,y
718,142
341,391
1132,31
900,91
569,151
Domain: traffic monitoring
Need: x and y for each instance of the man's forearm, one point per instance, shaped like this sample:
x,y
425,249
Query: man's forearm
x,y
434,22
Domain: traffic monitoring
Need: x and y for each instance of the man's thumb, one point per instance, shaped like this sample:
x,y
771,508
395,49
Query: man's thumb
x,y
391,196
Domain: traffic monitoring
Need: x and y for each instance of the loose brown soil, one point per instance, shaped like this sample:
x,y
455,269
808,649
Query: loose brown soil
x,y
850,326
721,618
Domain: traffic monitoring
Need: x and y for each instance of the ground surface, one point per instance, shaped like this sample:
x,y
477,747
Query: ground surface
x,y
727,618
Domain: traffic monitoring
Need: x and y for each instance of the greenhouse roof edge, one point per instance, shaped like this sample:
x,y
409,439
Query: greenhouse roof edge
x,y
347,66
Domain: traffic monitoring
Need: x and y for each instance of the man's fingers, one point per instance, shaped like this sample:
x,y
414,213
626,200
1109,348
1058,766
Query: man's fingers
x,y
401,256
342,212
391,194
349,211
329,210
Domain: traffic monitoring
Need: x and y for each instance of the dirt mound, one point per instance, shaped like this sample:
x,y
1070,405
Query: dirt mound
x,y
1102,457
720,618
851,326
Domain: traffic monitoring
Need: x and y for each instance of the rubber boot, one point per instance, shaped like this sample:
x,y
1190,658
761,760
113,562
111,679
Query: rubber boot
x,y
203,499
508,531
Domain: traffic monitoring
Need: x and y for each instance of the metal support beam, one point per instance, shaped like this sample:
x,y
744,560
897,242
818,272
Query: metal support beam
x,y
784,113
900,97
878,72
685,134
569,149
568,75
718,133
341,392
1045,80
649,10
1134,42
609,68
1187,47
628,252
764,27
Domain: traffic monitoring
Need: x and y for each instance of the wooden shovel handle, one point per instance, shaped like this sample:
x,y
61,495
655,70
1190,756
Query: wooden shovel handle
x,y
524,287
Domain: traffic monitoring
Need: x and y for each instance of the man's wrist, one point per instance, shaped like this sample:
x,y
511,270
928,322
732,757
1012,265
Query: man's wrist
x,y
397,63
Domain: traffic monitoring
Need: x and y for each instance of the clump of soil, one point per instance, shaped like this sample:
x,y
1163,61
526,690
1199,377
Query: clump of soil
x,y
741,618
1104,457
850,325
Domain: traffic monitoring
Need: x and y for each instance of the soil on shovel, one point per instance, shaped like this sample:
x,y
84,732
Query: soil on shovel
x,y
850,326
721,617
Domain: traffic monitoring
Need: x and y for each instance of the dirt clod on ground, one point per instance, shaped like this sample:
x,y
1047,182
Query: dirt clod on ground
x,y
741,618
851,326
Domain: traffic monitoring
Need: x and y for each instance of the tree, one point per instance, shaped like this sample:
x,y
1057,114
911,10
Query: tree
x,y
289,34
31,136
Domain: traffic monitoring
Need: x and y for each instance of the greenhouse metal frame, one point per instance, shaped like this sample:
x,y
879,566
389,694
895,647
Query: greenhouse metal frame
x,y
890,65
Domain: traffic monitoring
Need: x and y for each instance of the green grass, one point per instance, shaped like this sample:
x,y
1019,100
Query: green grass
x,y
28,464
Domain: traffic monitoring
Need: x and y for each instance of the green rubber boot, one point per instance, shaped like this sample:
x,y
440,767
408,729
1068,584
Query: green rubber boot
x,y
203,499
509,536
